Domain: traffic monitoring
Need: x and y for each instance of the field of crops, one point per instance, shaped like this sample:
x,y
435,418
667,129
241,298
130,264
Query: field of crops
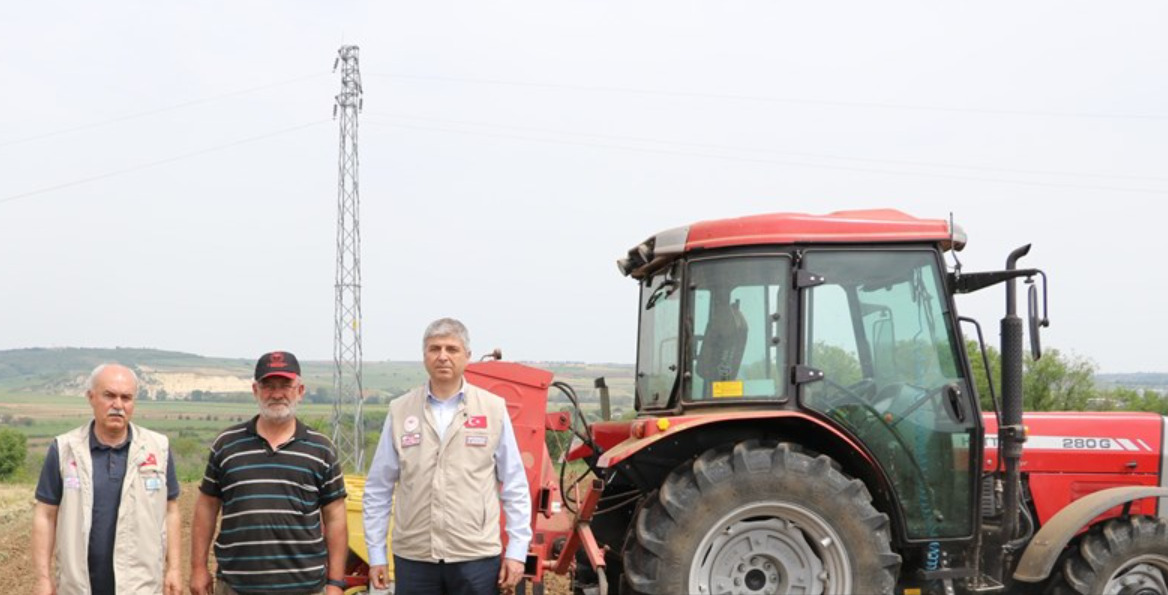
x,y
191,426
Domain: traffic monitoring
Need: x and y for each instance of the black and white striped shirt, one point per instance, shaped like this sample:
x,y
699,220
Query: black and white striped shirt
x,y
271,537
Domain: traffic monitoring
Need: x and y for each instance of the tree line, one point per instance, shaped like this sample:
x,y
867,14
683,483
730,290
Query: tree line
x,y
1061,382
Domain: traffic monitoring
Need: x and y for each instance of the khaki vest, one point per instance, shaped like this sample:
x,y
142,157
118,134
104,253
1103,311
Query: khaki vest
x,y
140,533
446,504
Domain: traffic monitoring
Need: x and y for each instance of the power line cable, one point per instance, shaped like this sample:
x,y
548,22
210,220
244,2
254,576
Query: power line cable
x,y
779,152
781,162
790,100
159,162
159,110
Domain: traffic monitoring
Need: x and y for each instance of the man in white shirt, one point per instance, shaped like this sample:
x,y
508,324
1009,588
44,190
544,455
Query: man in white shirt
x,y
445,450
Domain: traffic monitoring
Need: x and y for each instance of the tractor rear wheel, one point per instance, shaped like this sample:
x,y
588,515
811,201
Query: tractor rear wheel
x,y
1119,557
757,519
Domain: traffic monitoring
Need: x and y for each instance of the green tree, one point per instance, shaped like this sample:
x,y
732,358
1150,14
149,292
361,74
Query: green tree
x,y
840,366
980,379
1057,382
1128,399
13,451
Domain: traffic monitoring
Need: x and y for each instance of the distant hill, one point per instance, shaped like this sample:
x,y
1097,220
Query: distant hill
x,y
1135,380
64,370
177,375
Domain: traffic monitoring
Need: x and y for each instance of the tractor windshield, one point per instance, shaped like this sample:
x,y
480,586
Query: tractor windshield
x,y
879,329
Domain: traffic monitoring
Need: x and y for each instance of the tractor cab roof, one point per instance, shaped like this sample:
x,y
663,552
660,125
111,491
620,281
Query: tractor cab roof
x,y
841,227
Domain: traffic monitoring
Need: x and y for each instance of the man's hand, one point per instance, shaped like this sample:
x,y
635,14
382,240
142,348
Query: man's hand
x,y
331,590
379,576
44,586
510,573
200,581
173,581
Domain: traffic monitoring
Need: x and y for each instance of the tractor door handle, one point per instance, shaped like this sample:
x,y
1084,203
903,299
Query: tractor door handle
x,y
953,393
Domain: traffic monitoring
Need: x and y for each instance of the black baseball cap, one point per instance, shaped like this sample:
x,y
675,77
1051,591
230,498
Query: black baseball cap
x,y
277,363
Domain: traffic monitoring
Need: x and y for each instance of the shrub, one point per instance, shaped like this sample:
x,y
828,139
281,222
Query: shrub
x,y
13,451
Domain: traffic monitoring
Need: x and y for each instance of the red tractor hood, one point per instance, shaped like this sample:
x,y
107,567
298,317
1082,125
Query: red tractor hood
x,y
1085,442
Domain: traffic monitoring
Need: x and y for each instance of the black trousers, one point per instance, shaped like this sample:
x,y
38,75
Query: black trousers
x,y
473,577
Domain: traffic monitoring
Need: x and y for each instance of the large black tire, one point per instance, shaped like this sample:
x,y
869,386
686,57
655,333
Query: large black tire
x,y
1119,557
759,519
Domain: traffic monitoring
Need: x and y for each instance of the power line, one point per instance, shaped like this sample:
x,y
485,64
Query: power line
x,y
779,152
152,112
781,162
788,100
157,163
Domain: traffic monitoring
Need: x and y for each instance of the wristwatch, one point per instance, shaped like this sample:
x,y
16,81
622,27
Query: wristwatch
x,y
332,582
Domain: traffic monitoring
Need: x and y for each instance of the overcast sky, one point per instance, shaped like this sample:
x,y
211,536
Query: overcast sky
x,y
168,171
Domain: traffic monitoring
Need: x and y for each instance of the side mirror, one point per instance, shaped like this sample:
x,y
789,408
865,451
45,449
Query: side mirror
x,y
1035,321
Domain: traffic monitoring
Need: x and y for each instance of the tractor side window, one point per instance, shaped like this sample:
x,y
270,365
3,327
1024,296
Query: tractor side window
x,y
657,350
878,329
737,317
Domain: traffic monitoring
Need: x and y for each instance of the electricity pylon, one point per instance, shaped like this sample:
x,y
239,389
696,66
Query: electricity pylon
x,y
348,430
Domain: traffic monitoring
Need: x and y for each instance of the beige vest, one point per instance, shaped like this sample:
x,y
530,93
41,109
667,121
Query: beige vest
x,y
446,504
140,534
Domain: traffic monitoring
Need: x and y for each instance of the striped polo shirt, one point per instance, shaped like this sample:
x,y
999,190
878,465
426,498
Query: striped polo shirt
x,y
271,536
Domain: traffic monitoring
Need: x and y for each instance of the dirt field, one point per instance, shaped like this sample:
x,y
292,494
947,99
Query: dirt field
x,y
16,505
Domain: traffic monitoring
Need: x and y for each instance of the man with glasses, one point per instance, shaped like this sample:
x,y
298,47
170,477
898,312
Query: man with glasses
x,y
280,488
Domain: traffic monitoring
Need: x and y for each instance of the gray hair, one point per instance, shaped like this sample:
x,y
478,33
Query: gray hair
x,y
89,382
447,327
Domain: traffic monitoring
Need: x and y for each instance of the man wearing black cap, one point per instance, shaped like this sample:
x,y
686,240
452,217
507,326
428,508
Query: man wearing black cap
x,y
282,493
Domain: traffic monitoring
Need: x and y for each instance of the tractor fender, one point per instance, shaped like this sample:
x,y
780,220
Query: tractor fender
x,y
1048,544
658,429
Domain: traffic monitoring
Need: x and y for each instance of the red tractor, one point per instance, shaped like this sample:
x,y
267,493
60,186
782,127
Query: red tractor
x,y
807,422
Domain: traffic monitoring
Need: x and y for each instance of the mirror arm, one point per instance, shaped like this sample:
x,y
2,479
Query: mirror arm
x,y
971,282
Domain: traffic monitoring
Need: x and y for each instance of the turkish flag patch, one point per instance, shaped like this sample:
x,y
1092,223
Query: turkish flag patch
x,y
150,460
476,421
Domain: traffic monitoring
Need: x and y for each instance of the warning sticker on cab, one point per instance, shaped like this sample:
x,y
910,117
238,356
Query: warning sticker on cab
x,y
727,388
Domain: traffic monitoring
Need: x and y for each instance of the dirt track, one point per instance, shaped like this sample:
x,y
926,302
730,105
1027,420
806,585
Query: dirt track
x,y
16,505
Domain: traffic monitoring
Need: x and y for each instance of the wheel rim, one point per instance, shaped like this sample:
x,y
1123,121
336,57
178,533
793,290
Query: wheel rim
x,y
769,548
1142,575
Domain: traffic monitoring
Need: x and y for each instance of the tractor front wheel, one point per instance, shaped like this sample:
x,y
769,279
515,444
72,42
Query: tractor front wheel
x,y
1119,557
757,519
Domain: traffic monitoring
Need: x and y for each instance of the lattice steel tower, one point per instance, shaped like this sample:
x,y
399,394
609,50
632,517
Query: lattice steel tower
x,y
348,430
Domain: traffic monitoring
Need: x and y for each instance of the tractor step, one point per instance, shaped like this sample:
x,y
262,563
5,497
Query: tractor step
x,y
985,584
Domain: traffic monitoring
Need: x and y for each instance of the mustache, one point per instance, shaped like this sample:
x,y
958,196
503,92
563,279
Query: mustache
x,y
117,413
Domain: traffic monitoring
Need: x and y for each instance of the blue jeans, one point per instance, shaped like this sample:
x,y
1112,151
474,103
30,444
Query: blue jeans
x,y
473,577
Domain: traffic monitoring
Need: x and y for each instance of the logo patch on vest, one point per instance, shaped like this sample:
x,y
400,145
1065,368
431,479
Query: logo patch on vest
x,y
476,421
153,484
72,482
408,440
476,440
411,423
150,460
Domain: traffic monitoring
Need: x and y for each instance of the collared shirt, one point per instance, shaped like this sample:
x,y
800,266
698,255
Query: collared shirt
x,y
386,468
444,410
271,537
109,469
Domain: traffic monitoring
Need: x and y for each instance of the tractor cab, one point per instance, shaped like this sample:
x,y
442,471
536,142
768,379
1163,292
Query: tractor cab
x,y
843,318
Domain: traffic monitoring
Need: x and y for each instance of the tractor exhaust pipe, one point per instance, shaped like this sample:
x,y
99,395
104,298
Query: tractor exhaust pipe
x,y
605,401
1011,433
